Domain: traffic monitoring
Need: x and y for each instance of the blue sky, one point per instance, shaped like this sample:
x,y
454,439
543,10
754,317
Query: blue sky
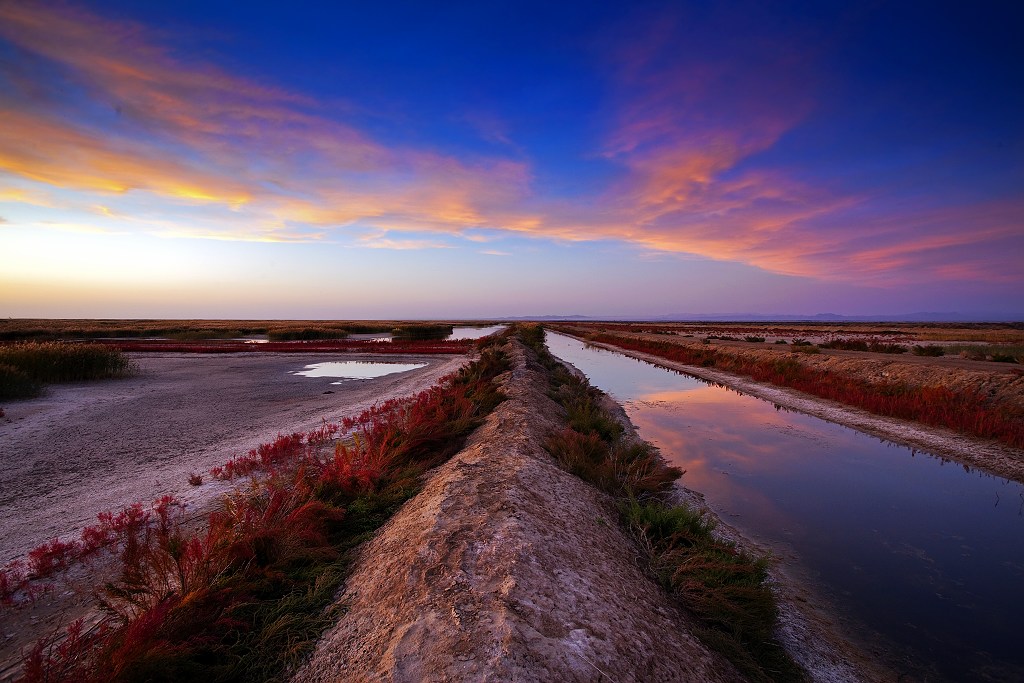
x,y
323,160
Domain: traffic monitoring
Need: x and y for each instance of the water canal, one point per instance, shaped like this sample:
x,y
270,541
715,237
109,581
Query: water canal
x,y
919,554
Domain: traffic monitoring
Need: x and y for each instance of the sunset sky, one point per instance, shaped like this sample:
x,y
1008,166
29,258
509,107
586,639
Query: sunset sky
x,y
204,158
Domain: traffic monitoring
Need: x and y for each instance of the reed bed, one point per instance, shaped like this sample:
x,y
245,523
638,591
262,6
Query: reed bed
x,y
423,331
26,366
871,345
305,333
999,353
17,384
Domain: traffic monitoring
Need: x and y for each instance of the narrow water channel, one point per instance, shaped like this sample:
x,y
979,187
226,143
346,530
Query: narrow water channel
x,y
916,553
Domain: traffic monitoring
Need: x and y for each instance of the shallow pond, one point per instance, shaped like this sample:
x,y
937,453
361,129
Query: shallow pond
x,y
457,333
917,554
355,369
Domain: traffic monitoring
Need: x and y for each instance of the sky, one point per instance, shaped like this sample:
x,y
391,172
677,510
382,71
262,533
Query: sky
x,y
214,159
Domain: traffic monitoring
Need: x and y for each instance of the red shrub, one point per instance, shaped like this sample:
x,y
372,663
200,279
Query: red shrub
x,y
177,588
49,557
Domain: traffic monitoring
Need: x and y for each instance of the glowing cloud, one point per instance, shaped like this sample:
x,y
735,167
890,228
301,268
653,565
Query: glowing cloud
x,y
99,112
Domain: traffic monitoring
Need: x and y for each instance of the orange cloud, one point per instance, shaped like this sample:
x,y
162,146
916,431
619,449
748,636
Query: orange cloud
x,y
39,148
19,195
265,164
194,134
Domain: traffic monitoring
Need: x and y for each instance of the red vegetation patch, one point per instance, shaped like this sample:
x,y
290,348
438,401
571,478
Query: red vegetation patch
x,y
319,346
186,600
968,412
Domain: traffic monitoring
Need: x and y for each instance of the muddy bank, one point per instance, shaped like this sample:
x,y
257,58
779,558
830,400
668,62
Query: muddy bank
x,y
984,454
85,448
507,568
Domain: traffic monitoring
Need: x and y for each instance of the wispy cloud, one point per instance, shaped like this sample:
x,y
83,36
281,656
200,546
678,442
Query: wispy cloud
x,y
17,195
489,127
382,241
100,108
193,134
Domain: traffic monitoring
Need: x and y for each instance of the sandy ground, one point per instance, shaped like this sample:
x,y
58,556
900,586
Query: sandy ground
x,y
506,568
85,448
985,454
95,446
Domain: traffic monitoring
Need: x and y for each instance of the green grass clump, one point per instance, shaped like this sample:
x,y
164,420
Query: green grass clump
x,y
846,344
723,586
753,339
810,349
47,362
930,351
997,353
630,470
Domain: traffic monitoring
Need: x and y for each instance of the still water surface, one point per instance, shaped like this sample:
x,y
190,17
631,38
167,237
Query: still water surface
x,y
474,332
918,554
355,369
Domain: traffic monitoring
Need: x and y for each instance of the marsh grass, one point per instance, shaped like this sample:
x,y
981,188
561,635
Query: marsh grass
x,y
725,589
54,330
204,334
806,349
871,345
722,585
26,366
17,384
306,333
422,331
998,353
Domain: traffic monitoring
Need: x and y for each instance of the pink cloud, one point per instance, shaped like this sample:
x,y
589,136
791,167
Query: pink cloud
x,y
684,134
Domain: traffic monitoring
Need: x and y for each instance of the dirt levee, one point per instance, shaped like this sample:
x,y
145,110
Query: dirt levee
x,y
86,448
507,568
